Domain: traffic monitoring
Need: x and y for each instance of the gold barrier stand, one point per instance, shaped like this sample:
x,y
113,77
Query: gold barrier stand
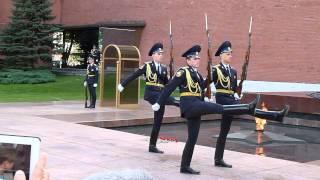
x,y
118,62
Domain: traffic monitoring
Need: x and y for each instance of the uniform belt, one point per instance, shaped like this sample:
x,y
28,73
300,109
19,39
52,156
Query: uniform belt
x,y
154,84
226,91
91,75
190,94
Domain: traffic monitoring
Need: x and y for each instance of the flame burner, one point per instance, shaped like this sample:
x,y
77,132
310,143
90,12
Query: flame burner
x,y
260,123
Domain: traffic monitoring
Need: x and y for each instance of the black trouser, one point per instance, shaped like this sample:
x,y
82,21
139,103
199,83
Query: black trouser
x,y
225,125
93,96
193,132
158,116
227,99
193,116
200,108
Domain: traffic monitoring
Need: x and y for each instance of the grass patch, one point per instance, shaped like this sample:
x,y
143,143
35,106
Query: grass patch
x,y
64,88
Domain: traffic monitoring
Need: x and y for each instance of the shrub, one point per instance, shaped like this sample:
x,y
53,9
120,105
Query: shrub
x,y
17,76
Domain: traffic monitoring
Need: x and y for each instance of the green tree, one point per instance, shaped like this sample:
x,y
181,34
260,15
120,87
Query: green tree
x,y
28,38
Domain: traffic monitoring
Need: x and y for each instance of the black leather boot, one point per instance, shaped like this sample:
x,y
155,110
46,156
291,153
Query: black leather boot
x,y
189,170
186,160
238,109
154,149
221,163
272,115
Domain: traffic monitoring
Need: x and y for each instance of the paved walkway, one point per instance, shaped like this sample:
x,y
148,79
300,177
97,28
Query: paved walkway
x,y
76,151
73,111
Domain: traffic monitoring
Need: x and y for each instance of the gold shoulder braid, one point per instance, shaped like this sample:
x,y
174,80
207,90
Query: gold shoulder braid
x,y
179,73
224,81
149,75
191,84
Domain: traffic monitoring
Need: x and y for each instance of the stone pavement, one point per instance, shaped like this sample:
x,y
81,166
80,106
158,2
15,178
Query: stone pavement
x,y
76,151
73,111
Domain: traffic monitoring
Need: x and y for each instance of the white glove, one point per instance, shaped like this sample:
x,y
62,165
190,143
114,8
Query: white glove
x,y
95,85
155,107
237,97
206,99
85,84
120,88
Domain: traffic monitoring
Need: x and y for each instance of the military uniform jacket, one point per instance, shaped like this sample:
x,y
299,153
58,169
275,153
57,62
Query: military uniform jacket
x,y
155,81
191,85
224,81
92,74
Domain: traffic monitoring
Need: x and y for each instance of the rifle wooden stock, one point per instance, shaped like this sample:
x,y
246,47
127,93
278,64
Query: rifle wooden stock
x,y
209,74
209,64
86,96
244,72
246,63
171,68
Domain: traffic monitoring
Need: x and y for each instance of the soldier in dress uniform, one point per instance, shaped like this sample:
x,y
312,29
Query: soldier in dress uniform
x,y
91,81
225,80
156,78
192,104
95,54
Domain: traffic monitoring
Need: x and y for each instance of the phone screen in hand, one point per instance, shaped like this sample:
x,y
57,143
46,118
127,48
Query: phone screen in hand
x,y
17,153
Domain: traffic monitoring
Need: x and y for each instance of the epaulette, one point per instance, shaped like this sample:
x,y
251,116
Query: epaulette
x,y
145,63
181,71
185,67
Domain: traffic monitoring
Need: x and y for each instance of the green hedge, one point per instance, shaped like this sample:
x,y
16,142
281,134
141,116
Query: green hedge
x,y
16,76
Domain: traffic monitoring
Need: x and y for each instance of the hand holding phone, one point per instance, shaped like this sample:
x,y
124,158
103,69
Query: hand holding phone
x,y
39,172
18,153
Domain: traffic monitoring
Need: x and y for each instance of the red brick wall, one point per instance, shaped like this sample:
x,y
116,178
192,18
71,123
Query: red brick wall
x,y
285,39
56,10
6,6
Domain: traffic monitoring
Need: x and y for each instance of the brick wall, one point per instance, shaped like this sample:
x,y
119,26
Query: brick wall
x,y
6,6
285,39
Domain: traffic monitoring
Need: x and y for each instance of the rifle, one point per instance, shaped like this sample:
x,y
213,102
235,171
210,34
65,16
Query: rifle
x,y
209,76
246,63
171,69
86,96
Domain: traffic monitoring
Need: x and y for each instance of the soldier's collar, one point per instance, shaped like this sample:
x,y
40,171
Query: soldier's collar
x,y
192,68
156,63
225,65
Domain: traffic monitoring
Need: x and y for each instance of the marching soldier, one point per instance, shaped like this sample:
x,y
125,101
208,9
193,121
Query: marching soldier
x,y
192,104
156,78
225,80
92,81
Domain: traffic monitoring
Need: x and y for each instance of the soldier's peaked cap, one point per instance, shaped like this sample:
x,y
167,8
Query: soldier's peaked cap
x,y
224,48
157,47
193,52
